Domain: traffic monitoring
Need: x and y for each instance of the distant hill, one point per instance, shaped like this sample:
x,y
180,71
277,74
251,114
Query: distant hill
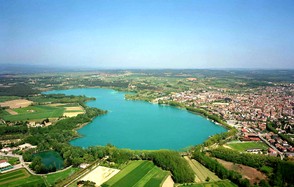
x,y
31,68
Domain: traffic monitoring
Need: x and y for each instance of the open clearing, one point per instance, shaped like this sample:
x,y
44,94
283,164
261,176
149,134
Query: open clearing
x,y
79,108
137,174
243,146
17,103
35,112
100,175
223,183
72,114
201,172
20,177
252,174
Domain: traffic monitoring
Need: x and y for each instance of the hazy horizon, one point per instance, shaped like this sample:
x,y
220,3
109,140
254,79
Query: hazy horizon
x,y
148,34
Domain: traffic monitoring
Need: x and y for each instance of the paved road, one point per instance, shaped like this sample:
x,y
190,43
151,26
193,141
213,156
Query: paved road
x,y
269,144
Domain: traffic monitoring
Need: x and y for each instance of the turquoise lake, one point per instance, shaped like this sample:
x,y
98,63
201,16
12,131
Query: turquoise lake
x,y
140,125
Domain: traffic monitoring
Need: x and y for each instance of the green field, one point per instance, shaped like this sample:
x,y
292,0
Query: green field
x,y
201,172
138,173
7,98
56,177
20,177
247,145
223,183
35,112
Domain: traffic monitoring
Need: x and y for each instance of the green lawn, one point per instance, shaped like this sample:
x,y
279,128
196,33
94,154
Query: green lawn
x,y
201,172
35,112
223,183
138,173
56,177
247,145
20,177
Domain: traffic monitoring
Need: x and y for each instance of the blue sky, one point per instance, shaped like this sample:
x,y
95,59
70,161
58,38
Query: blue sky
x,y
148,34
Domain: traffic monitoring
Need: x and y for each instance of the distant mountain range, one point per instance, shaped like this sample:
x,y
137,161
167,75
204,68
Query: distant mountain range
x,y
32,68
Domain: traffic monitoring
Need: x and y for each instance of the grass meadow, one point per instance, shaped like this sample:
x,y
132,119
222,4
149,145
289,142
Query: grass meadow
x,y
20,177
34,113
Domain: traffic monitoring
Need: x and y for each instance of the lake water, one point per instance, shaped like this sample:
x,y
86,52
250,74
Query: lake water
x,y
51,158
140,125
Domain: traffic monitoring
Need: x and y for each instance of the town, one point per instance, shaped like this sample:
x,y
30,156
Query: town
x,y
249,112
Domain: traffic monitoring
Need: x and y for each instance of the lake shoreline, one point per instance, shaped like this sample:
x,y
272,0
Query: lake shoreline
x,y
180,122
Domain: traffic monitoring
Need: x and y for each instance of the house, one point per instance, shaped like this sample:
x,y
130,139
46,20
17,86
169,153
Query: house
x,y
6,149
26,146
254,150
4,165
84,165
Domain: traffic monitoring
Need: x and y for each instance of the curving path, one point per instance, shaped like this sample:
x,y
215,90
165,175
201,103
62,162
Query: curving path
x,y
24,165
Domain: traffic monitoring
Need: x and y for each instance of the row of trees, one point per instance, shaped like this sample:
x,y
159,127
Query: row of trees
x,y
210,116
19,129
253,160
59,98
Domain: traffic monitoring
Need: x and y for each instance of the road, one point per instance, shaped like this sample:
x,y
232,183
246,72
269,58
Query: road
x,y
269,144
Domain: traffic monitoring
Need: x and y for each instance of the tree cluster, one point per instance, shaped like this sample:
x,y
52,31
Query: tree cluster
x,y
21,90
173,162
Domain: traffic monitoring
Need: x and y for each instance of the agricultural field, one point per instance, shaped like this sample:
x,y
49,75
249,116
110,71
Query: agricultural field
x,y
252,174
201,172
138,173
100,174
52,179
72,111
18,103
38,112
20,177
222,183
243,146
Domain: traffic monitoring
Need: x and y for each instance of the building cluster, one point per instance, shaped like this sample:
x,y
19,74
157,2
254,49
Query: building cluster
x,y
22,147
248,111
278,142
